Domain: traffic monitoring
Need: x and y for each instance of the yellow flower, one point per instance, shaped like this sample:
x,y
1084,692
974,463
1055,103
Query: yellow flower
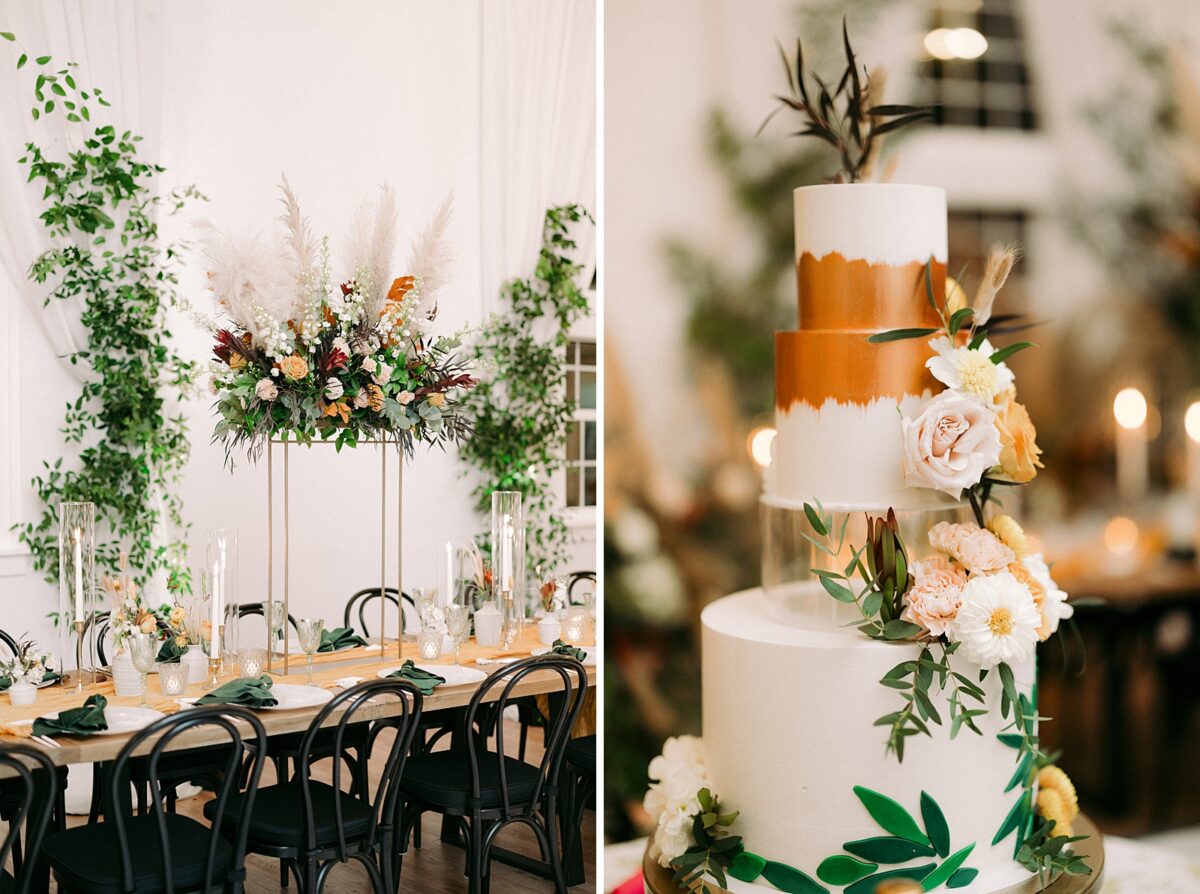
x,y
1010,533
436,400
294,367
375,397
181,640
1053,808
338,408
178,614
148,624
1019,451
1052,778
236,361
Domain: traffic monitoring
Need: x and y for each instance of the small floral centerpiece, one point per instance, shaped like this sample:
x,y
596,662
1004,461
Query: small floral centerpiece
x,y
303,355
128,614
30,666
173,622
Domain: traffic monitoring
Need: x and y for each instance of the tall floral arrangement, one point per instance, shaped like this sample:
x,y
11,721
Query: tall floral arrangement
x,y
301,354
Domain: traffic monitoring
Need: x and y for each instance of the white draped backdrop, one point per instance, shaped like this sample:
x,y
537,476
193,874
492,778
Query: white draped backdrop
x,y
495,101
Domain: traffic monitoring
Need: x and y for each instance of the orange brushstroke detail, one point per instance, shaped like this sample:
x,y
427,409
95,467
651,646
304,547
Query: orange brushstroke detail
x,y
836,293
813,367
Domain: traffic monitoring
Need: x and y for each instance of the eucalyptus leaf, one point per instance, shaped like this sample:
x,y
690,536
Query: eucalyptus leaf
x,y
899,335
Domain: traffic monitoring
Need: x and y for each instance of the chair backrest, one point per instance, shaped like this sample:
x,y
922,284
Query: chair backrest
x,y
580,579
484,718
383,798
242,749
32,777
358,616
9,644
251,637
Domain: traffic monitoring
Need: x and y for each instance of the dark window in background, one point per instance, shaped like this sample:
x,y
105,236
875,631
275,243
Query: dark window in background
x,y
581,432
973,233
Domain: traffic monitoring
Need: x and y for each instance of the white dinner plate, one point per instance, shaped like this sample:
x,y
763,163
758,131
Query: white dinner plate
x,y
291,695
588,659
455,674
121,720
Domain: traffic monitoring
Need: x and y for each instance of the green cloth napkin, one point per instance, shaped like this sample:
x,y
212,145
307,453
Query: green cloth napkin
x,y
339,638
561,648
48,677
422,679
81,721
245,691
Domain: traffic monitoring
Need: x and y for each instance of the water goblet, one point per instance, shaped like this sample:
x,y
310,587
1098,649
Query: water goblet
x,y
143,649
309,632
458,621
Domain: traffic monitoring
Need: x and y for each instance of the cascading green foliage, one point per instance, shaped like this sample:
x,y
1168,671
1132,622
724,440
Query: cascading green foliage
x,y
100,211
520,409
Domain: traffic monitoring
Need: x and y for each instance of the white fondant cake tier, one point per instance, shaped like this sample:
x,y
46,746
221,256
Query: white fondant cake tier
x,y
882,223
848,456
788,729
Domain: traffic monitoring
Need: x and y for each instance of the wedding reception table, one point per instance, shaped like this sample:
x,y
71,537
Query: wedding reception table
x,y
329,668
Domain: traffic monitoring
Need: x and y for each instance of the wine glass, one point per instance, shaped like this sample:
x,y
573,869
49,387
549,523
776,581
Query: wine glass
x,y
308,630
143,649
276,618
458,620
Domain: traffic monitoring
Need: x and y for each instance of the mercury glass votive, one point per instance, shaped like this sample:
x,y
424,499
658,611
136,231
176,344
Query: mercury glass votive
x,y
252,661
429,643
172,678
574,625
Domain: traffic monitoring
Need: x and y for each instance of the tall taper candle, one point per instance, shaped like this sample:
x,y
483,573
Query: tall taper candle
x,y
1133,460
78,574
214,648
1191,424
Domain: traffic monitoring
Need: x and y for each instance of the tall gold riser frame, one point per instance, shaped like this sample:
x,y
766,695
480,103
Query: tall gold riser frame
x,y
285,444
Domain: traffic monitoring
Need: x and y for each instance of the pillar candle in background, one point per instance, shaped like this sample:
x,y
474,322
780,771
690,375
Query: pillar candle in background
x,y
1191,424
1133,456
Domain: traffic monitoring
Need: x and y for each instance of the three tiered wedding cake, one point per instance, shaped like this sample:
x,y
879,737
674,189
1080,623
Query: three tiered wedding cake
x,y
870,712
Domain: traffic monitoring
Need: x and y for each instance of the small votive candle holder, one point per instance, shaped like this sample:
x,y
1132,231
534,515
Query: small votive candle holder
x,y
252,662
429,643
172,678
574,625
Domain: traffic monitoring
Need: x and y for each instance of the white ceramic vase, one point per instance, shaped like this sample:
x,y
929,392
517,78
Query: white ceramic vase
x,y
196,663
22,693
126,679
548,629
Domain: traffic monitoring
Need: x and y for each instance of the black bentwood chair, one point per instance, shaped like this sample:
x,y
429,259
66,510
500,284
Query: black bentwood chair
x,y
487,790
358,607
579,792
162,852
30,785
312,826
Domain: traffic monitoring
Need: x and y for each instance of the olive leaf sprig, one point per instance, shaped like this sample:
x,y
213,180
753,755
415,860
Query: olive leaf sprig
x,y
848,117
714,850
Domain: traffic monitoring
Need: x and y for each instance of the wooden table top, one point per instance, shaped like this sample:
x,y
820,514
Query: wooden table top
x,y
329,667
659,880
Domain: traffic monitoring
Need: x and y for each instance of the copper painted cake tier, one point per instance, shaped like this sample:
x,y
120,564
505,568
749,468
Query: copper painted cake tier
x,y
814,367
836,292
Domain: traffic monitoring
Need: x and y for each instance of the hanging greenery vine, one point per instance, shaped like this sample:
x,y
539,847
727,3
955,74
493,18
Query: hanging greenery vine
x,y
520,408
100,209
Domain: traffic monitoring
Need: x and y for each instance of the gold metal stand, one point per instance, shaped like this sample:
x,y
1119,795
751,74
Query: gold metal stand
x,y
382,443
81,676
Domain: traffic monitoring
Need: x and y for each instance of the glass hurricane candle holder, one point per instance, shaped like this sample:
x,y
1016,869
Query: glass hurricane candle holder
x,y
574,625
77,591
172,678
508,554
429,643
252,662
221,583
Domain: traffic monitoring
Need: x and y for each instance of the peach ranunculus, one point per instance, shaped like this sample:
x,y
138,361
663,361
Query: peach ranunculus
x,y
977,549
950,445
936,594
1019,452
294,367
375,397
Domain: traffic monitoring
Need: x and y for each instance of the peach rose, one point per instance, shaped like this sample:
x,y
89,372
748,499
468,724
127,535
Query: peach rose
x,y
1019,452
976,549
950,445
936,594
294,367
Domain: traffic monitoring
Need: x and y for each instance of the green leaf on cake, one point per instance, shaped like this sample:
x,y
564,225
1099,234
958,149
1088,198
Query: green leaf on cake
x,y
962,878
958,318
842,870
886,849
1021,774
838,591
899,335
890,815
929,296
1004,353
943,873
936,826
898,629
1013,821
791,880
871,882
815,520
1012,740
747,867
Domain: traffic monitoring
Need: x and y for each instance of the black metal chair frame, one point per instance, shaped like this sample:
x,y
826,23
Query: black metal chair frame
x,y
363,598
374,848
484,718
578,577
579,790
9,642
16,758
165,731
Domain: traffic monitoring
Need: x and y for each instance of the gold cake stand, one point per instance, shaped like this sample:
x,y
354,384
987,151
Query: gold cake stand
x,y
658,879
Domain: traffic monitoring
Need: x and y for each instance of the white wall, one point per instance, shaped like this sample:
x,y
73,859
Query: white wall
x,y
341,97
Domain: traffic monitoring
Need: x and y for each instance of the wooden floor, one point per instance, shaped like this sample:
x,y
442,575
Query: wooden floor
x,y
436,868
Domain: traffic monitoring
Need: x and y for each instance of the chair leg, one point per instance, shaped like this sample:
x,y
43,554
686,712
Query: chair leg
x,y
311,871
556,856
283,873
474,842
524,739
